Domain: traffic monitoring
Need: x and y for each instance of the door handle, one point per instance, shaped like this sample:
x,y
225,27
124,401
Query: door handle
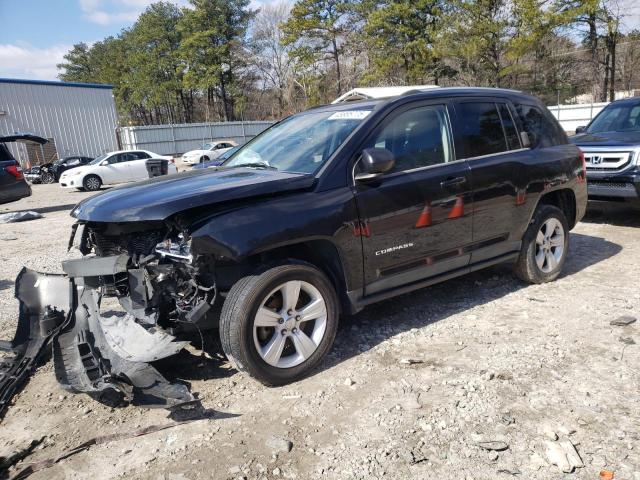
x,y
452,181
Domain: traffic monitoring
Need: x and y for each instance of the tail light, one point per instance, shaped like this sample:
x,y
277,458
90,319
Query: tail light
x,y
584,166
14,170
172,160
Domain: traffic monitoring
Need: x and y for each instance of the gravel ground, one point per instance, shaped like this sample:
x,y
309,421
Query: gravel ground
x,y
474,378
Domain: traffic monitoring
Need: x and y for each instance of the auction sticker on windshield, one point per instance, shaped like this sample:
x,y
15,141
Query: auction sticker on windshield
x,y
350,115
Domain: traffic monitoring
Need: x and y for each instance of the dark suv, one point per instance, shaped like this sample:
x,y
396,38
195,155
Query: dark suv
x,y
611,144
324,213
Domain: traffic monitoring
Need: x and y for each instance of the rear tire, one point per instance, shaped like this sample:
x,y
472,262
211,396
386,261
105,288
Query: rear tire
x,y
544,246
278,325
92,183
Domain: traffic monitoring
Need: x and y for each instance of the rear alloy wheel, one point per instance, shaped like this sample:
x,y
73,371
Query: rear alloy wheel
x,y
544,246
279,324
47,177
92,183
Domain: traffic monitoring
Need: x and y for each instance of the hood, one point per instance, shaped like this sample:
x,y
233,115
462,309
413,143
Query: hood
x,y
607,139
159,198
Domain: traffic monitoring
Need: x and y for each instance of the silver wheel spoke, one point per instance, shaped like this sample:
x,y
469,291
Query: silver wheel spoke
x,y
290,295
272,351
540,238
266,318
312,310
557,241
551,261
540,258
304,345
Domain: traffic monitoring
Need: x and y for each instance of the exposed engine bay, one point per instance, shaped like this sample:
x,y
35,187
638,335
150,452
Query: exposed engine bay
x,y
136,296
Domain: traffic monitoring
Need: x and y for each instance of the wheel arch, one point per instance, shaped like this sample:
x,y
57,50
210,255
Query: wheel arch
x,y
321,253
565,200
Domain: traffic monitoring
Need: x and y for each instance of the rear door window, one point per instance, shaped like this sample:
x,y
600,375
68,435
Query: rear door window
x,y
479,130
510,131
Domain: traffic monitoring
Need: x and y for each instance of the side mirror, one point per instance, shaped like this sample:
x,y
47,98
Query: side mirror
x,y
581,129
375,162
104,163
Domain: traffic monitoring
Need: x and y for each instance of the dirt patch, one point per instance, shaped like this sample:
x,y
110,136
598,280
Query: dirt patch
x,y
415,387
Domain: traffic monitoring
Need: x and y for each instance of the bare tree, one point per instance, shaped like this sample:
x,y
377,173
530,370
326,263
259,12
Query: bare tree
x,y
271,57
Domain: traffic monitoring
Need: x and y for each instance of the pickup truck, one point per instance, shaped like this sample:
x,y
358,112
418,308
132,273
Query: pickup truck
x,y
319,216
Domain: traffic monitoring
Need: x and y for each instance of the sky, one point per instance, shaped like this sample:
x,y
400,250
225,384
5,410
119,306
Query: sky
x,y
35,34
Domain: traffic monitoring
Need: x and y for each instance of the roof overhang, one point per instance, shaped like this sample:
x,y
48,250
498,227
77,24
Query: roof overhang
x,y
368,93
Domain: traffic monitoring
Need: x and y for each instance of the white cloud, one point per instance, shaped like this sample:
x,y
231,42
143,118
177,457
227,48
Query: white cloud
x,y
25,61
107,12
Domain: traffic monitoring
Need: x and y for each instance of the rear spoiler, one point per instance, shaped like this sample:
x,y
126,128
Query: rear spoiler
x,y
26,137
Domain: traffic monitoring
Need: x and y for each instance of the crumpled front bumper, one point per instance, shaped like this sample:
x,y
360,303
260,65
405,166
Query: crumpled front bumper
x,y
103,356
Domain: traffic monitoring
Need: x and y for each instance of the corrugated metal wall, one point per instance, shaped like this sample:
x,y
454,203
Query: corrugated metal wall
x,y
180,138
81,119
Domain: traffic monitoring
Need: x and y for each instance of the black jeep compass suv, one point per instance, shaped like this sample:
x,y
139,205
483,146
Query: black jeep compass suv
x,y
324,213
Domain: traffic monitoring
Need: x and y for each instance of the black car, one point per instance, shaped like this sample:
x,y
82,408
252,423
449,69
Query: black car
x,y
322,214
50,172
611,145
13,185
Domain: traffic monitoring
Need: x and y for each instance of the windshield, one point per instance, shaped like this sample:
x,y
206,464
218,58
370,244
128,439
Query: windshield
x,y
228,153
96,161
207,146
301,143
617,118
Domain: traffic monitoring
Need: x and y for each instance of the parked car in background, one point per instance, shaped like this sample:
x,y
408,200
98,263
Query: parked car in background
x,y
611,146
208,151
218,161
33,174
13,185
50,172
112,168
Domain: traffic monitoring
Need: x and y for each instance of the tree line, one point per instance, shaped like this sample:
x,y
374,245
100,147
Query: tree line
x,y
222,60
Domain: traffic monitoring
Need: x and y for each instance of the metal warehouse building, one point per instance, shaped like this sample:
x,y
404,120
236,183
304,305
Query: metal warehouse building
x,y
77,118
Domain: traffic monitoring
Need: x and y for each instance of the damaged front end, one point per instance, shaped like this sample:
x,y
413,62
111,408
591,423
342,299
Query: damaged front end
x,y
135,297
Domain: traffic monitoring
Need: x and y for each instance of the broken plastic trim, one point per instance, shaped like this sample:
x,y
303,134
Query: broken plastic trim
x,y
90,354
44,299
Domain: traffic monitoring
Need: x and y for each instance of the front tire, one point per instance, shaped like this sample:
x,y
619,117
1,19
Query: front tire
x,y
204,159
544,246
92,183
48,178
279,324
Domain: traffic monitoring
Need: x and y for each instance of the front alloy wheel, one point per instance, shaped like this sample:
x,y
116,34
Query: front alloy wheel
x,y
290,324
278,325
48,177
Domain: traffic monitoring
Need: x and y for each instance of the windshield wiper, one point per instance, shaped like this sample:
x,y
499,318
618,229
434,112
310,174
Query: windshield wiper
x,y
256,165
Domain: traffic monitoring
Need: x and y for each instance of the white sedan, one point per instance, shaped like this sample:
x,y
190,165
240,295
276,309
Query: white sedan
x,y
112,168
208,151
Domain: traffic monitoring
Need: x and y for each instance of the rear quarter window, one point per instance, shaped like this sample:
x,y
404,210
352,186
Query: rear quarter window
x,y
543,130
